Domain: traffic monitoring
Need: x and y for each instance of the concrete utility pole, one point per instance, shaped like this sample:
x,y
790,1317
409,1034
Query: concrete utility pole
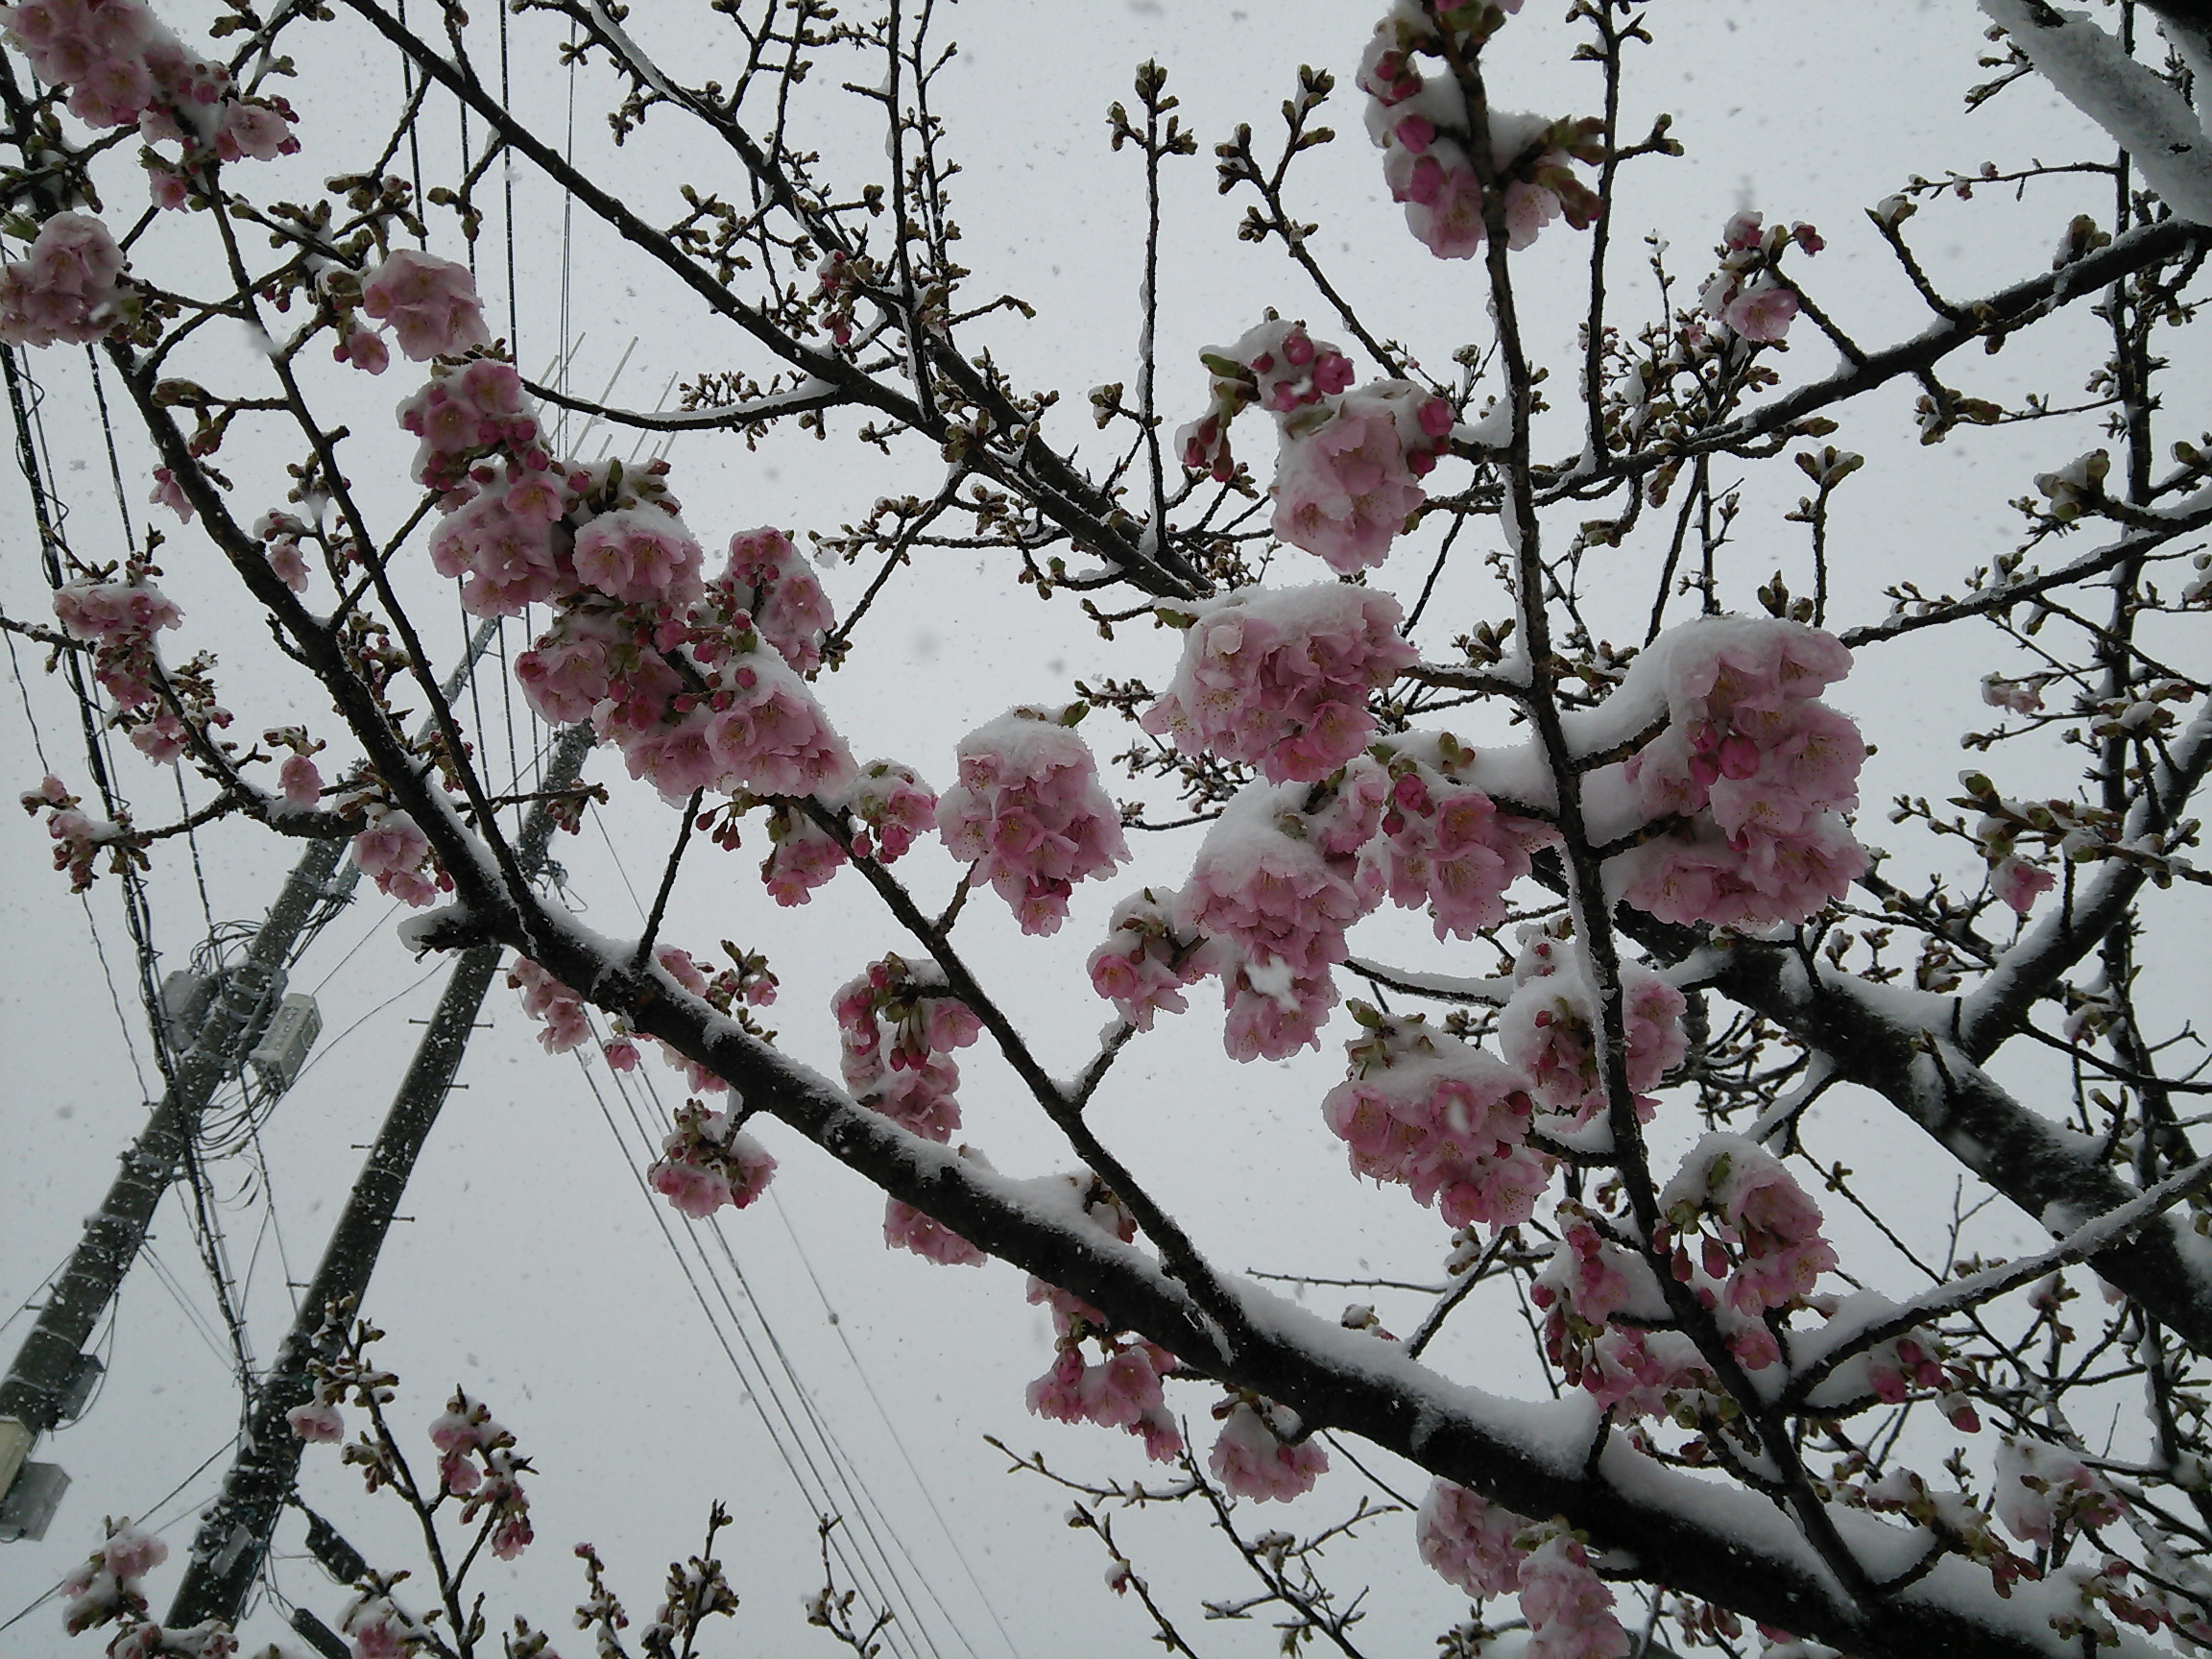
x,y
52,1357
235,1532
51,1364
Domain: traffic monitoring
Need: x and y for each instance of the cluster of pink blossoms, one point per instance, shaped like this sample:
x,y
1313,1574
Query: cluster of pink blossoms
x,y
1441,1117
476,1462
1765,1239
378,1629
1745,294
1258,1453
1122,1391
474,421
1486,1549
1028,815
78,836
772,583
1274,364
906,1228
558,1009
706,1162
120,618
1280,677
896,1029
394,853
123,66
2041,1488
1420,124
1272,891
1349,468
1760,767
105,1585
1347,479
634,598
1549,1031
1627,1369
1445,844
1143,967
428,303
65,288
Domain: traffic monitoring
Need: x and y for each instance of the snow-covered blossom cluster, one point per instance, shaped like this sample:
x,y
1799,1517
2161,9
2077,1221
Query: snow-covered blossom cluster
x,y
394,853
769,581
119,619
897,1027
106,1586
1123,1389
429,304
122,65
1028,816
1445,844
1260,1453
1272,890
1143,967
707,1162
1756,763
67,287
1762,1234
1441,1117
1350,463
78,836
1280,677
476,1462
1120,1391
1486,1551
559,1011
1548,1029
1419,122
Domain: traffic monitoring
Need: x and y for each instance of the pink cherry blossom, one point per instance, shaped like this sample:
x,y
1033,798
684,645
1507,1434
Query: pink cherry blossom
x,y
1343,488
1568,1607
395,854
430,304
2041,1487
1469,1540
132,1553
896,1026
906,1228
1143,967
2020,883
300,782
317,1422
705,1164
1439,1115
1755,1206
1549,1031
773,585
1446,846
1252,1461
894,805
641,556
1761,312
1028,816
1280,677
804,855
67,288
561,1011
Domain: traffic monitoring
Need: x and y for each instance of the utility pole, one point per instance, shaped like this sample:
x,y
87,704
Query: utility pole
x,y
52,1367
234,1531
52,1357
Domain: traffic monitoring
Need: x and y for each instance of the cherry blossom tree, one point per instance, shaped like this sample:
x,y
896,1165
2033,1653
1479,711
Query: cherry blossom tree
x,y
1555,687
